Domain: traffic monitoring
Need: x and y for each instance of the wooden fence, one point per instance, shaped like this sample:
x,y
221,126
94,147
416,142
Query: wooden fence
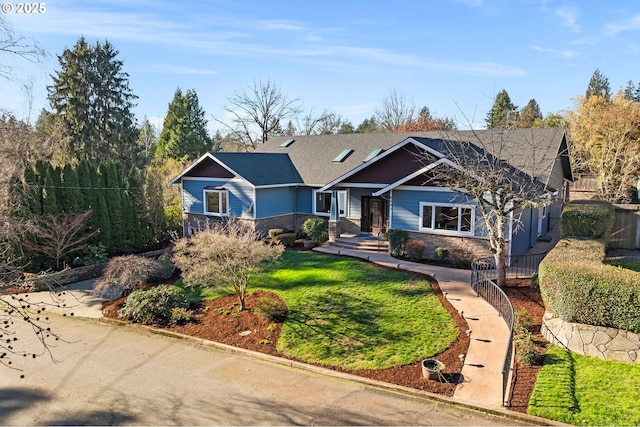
x,y
626,228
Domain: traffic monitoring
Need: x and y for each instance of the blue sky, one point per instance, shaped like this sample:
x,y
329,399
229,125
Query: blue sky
x,y
344,56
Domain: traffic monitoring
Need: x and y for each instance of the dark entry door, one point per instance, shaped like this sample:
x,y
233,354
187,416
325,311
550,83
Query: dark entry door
x,y
374,214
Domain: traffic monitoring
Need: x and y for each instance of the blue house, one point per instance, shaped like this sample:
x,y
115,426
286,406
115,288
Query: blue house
x,y
368,183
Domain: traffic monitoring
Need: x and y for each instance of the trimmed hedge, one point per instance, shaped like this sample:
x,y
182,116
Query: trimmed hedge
x,y
587,218
578,287
287,239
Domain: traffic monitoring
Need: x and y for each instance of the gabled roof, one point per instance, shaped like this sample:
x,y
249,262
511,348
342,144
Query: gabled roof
x,y
532,151
258,169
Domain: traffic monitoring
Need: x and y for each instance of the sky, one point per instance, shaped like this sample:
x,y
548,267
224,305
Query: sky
x,y
345,57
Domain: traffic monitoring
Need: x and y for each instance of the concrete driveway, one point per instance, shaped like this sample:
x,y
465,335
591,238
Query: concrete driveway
x,y
120,375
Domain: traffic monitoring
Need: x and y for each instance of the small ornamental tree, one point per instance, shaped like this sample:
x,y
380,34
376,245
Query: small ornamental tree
x,y
224,255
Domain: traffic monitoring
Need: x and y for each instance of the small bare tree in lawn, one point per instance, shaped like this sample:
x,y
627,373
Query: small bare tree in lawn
x,y
477,170
225,254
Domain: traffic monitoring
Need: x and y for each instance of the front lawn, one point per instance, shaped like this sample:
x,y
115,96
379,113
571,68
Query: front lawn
x,y
583,390
355,315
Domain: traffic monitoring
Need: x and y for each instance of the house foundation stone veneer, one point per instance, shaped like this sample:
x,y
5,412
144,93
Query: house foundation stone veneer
x,y
597,341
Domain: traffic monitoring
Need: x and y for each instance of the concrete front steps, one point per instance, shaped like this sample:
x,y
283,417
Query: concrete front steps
x,y
366,243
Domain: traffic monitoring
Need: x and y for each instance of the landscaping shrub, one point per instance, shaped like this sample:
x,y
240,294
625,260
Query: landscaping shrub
x,y
93,254
168,264
414,249
124,274
527,352
181,315
155,305
287,239
273,232
575,284
317,229
440,254
587,219
397,240
273,308
522,321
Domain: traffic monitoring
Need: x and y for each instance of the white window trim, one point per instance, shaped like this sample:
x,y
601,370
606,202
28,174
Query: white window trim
x,y
204,202
433,230
346,199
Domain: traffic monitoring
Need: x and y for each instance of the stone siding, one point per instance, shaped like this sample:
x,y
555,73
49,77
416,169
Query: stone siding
x,y
597,341
461,248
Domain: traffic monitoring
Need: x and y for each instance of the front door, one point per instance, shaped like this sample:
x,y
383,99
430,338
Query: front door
x,y
374,214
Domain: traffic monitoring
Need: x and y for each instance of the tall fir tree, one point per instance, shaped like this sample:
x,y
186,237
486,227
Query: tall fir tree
x,y
503,114
529,114
113,199
135,192
90,94
598,86
184,132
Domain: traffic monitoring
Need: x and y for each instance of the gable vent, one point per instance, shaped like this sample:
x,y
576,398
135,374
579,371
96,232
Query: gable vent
x,y
373,154
287,143
343,155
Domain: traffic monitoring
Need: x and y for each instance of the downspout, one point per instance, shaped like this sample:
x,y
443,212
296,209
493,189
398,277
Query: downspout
x,y
510,237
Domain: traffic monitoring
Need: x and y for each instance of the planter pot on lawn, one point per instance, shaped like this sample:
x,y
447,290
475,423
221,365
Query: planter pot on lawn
x,y
309,244
432,368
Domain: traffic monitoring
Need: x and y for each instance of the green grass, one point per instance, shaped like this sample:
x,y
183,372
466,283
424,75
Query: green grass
x,y
352,314
629,265
583,390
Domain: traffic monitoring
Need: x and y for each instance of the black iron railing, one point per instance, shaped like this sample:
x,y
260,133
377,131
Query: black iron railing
x,y
483,276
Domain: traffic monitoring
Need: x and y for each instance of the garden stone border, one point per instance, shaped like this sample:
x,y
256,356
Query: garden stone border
x,y
597,341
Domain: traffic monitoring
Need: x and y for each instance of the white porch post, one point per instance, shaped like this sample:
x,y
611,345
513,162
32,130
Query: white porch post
x,y
334,217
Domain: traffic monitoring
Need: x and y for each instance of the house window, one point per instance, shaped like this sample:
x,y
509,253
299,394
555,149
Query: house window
x,y
447,218
216,202
322,205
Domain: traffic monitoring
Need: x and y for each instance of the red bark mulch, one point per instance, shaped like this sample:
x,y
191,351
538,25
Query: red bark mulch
x,y
220,320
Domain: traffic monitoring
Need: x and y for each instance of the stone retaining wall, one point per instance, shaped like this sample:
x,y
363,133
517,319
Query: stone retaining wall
x,y
597,341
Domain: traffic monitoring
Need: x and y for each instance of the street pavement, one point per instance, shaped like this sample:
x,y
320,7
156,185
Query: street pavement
x,y
113,375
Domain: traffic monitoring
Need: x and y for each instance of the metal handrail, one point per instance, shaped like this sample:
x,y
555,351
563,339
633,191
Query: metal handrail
x,y
483,274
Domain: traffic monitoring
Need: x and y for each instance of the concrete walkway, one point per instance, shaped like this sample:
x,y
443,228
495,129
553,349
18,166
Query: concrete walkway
x,y
482,370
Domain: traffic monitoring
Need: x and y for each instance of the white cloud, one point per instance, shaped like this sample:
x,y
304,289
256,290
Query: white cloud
x,y
556,52
631,24
569,16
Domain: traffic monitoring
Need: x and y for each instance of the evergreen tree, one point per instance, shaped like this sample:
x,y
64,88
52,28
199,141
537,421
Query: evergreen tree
x,y
33,190
184,132
599,86
113,199
529,114
503,114
100,218
50,203
136,196
632,92
90,94
368,126
83,176
72,200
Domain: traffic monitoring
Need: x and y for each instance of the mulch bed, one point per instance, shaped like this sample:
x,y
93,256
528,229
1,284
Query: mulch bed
x,y
220,320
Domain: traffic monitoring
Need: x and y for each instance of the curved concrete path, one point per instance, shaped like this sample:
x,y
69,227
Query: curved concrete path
x,y
482,370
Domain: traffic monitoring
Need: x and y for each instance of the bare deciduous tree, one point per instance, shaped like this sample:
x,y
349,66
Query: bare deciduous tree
x,y
58,237
396,110
14,44
478,170
258,111
224,254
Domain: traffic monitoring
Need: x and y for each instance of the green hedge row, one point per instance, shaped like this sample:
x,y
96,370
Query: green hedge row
x,y
578,287
587,219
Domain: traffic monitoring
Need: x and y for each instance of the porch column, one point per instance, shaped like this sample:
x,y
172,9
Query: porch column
x,y
334,217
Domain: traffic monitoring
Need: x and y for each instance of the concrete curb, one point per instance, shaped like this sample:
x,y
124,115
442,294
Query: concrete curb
x,y
294,364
